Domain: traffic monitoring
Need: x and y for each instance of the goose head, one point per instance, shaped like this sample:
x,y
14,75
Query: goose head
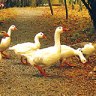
x,y
13,27
41,35
61,29
83,60
4,34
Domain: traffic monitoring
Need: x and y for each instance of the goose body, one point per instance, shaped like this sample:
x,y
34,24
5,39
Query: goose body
x,y
3,34
5,42
88,49
23,48
46,56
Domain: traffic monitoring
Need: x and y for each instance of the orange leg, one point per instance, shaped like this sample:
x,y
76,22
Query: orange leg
x,y
6,56
42,72
70,64
65,63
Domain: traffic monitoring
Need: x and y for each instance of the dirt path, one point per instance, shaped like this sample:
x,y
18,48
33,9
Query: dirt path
x,y
20,80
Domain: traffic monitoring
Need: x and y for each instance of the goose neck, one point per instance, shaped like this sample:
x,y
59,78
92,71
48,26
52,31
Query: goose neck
x,y
79,53
9,31
57,39
37,43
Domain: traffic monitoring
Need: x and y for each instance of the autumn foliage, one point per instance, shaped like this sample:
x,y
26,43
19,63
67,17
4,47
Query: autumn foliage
x,y
7,14
79,22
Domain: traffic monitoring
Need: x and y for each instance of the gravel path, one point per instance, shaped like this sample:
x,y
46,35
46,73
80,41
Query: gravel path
x,y
20,80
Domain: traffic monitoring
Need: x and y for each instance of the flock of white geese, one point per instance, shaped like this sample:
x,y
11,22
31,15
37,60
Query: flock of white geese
x,y
46,56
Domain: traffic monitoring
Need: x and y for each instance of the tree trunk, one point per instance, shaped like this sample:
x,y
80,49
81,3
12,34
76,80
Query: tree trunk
x,y
66,9
93,17
49,2
91,6
34,3
22,3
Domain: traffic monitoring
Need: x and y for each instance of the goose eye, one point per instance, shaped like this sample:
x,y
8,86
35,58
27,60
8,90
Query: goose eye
x,y
2,32
13,26
59,27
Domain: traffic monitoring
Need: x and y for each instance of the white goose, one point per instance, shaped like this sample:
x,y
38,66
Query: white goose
x,y
24,48
67,51
3,34
46,56
88,49
5,42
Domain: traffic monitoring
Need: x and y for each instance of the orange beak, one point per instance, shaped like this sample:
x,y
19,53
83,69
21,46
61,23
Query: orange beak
x,y
15,28
44,37
65,29
5,34
2,21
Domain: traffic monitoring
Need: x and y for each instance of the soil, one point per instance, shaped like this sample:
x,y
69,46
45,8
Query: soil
x,y
22,80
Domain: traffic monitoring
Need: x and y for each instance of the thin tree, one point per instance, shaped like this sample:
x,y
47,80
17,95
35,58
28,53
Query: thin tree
x,y
22,3
49,2
66,9
8,3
